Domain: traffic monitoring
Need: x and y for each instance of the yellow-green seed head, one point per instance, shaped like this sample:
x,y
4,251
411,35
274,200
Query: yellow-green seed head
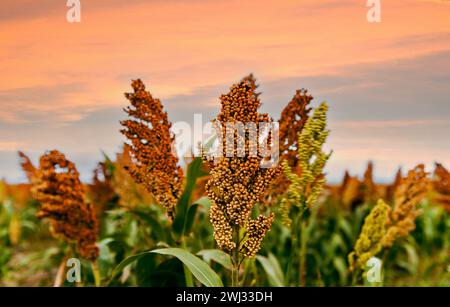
x,y
370,240
306,187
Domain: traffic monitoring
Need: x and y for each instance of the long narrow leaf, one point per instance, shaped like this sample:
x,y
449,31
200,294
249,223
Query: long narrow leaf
x,y
200,269
216,255
272,269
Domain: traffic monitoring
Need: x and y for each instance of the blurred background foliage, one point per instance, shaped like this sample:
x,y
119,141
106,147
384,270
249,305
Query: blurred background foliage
x,y
131,224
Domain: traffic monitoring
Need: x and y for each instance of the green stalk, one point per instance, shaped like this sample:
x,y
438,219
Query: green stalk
x,y
96,271
187,274
303,250
247,269
235,258
354,278
292,252
59,279
295,235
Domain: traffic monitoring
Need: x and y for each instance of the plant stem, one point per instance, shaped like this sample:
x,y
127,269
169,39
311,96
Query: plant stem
x,y
235,258
59,279
303,249
96,271
247,269
187,273
292,253
295,235
354,278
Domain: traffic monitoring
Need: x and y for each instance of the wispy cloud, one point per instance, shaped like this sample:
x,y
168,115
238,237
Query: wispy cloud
x,y
388,124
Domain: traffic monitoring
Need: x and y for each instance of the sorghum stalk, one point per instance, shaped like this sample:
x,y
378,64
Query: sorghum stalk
x,y
59,279
96,272
235,257
305,188
187,274
303,247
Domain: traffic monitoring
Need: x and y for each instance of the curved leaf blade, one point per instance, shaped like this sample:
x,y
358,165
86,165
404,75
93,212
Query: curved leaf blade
x,y
272,269
200,269
127,261
216,255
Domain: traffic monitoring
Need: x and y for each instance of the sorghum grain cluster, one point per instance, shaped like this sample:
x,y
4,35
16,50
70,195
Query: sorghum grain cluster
x,y
155,164
407,197
59,190
236,183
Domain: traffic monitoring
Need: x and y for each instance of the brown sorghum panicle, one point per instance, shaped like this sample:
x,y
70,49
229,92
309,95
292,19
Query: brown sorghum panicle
x,y
130,194
441,184
101,191
154,163
236,183
407,197
61,194
368,185
390,190
351,192
28,167
257,230
291,123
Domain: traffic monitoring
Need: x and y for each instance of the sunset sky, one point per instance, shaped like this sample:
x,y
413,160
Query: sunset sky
x,y
387,84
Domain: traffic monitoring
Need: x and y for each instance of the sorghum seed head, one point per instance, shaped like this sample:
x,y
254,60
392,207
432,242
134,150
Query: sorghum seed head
x,y
441,184
236,183
293,119
369,242
59,190
154,163
406,200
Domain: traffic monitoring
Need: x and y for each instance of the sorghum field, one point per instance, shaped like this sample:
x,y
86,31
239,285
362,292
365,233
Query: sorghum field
x,y
150,218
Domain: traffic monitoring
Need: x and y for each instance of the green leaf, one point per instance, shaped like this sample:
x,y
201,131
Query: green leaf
x,y
194,171
108,162
340,266
156,227
210,143
216,255
273,270
412,262
145,266
346,228
190,218
336,244
204,202
119,268
196,266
